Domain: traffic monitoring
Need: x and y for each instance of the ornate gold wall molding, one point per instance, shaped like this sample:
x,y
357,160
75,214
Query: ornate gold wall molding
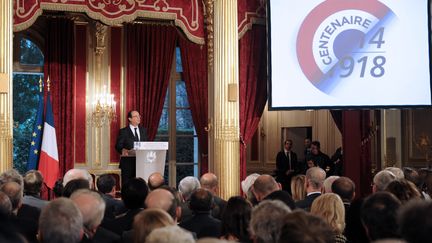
x,y
209,16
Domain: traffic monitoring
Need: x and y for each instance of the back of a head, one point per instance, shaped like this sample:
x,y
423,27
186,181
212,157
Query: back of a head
x,y
330,207
328,183
345,188
266,220
404,190
247,183
236,218
33,181
105,183
15,193
11,175
382,179
134,193
412,175
155,181
170,234
415,221
91,206
264,185
378,214
188,185
298,189
60,221
398,172
209,181
73,174
315,177
302,227
163,199
201,200
148,220
75,185
5,204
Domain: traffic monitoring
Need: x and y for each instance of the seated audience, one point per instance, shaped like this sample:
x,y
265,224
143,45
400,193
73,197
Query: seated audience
x,y
330,207
378,215
33,182
106,185
202,223
235,220
303,227
266,221
209,181
298,187
265,187
247,185
381,180
73,174
415,221
328,183
74,185
92,208
186,187
155,181
170,234
133,193
398,172
164,199
11,175
60,222
148,220
314,181
404,190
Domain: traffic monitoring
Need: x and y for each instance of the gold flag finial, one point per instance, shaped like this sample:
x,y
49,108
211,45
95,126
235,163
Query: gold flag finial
x,y
40,84
48,84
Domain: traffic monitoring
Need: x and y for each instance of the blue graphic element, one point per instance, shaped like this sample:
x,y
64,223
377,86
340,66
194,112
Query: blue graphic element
x,y
35,144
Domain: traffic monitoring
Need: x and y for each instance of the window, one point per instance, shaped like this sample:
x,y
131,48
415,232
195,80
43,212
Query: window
x,y
28,69
176,127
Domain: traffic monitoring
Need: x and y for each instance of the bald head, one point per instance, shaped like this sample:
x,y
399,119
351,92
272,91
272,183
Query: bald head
x,y
315,177
155,181
209,181
264,185
165,200
92,208
345,188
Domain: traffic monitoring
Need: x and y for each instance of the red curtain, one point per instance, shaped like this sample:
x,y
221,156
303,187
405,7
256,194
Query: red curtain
x,y
59,67
195,74
253,86
150,52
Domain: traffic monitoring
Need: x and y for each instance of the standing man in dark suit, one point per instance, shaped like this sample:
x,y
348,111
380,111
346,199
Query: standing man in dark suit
x,y
287,165
125,144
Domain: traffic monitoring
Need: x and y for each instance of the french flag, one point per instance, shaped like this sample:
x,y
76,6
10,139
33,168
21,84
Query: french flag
x,y
49,162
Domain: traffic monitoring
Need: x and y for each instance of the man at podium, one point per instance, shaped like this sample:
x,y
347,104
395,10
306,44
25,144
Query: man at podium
x,y
125,144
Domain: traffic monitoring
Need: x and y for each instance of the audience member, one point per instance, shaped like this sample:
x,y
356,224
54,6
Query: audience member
x,y
404,190
133,193
186,187
266,221
298,187
265,187
412,175
58,188
11,175
148,220
382,179
345,188
329,207
314,181
155,181
73,174
60,222
415,221
327,185
74,185
378,214
106,185
202,223
164,199
247,186
170,234
33,182
399,174
5,204
209,181
235,220
92,208
303,227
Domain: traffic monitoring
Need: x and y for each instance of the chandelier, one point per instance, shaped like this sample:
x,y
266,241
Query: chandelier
x,y
103,109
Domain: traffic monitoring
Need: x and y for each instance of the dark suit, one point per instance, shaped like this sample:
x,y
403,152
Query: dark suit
x,y
203,224
307,202
121,223
125,140
284,163
102,236
218,207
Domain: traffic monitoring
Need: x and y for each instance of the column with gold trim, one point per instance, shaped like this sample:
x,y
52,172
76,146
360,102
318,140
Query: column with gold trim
x,y
6,39
224,112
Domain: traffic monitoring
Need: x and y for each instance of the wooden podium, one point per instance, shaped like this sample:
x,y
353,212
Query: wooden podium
x,y
150,158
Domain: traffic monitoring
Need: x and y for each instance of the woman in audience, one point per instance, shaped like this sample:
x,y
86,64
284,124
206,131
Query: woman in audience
x,y
330,207
235,220
297,187
404,190
148,220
